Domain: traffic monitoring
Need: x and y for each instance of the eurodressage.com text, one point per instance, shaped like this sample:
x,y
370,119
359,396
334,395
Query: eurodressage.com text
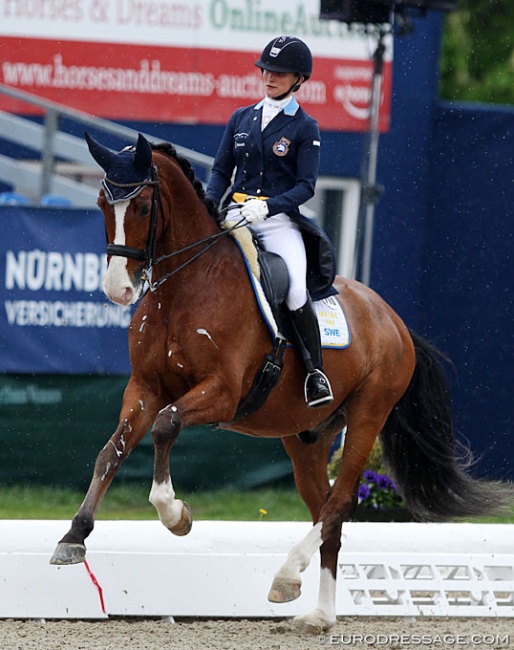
x,y
395,640
36,270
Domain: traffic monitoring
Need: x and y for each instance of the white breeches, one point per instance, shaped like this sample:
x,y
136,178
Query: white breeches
x,y
279,234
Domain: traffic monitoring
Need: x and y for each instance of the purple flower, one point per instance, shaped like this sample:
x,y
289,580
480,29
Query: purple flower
x,y
364,492
369,475
383,481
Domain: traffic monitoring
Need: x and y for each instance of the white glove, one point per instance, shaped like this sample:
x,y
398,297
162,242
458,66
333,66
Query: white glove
x,y
254,210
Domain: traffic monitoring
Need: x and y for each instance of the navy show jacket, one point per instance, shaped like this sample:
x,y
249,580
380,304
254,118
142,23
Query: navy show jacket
x,y
280,162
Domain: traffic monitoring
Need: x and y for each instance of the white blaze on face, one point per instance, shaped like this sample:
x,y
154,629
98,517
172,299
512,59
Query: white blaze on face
x,y
117,284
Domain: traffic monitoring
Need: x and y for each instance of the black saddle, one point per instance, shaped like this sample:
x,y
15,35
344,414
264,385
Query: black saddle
x,y
275,284
274,277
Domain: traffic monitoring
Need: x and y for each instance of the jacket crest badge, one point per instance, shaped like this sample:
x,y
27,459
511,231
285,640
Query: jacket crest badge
x,y
281,147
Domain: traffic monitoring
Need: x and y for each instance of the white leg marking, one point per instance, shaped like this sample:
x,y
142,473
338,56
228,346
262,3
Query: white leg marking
x,y
324,616
327,597
162,497
299,557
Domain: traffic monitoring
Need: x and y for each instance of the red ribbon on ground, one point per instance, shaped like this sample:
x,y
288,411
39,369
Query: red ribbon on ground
x,y
97,585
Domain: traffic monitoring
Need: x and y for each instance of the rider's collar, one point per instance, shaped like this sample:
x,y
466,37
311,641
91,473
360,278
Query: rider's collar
x,y
289,109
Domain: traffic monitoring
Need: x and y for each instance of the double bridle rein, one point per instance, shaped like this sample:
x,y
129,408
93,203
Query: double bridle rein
x,y
147,255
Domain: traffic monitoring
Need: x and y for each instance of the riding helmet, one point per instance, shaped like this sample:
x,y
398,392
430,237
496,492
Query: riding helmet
x,y
286,54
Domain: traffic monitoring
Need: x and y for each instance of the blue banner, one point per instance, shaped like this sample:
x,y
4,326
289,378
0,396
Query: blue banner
x,y
55,317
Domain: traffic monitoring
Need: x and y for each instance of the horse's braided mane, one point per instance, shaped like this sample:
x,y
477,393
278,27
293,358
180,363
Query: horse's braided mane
x,y
169,150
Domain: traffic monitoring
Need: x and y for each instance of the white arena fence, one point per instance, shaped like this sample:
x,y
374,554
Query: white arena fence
x,y
225,569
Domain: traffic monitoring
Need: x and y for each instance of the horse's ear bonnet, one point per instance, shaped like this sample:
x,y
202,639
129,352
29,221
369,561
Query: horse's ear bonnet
x,y
126,172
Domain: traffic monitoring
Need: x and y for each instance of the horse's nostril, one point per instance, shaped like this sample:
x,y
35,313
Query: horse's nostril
x,y
118,284
123,296
128,294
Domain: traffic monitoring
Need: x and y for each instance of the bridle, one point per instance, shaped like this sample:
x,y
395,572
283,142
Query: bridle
x,y
142,255
146,255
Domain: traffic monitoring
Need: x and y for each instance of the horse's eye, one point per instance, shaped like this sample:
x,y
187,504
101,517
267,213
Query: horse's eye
x,y
144,210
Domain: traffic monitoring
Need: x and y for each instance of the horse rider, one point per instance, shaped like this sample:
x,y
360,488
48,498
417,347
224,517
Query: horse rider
x,y
274,147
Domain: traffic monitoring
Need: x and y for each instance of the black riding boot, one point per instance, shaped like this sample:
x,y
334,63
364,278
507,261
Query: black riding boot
x,y
318,391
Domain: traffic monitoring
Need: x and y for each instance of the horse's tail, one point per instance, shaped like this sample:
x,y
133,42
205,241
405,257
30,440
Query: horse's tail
x,y
419,449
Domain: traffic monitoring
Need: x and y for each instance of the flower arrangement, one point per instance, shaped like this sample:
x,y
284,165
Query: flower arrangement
x,y
376,490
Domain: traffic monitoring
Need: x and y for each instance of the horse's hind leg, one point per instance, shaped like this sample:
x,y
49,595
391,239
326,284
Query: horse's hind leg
x,y
310,472
364,420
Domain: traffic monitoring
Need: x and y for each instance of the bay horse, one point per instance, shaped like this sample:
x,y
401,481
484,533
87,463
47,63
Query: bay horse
x,y
196,342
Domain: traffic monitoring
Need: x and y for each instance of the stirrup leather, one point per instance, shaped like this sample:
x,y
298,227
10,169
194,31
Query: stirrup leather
x,y
317,388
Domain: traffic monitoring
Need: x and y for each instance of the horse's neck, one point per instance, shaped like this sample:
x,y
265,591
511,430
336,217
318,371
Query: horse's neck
x,y
188,239
189,223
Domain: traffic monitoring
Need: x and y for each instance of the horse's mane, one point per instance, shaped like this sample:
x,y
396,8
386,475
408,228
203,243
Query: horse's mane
x,y
169,150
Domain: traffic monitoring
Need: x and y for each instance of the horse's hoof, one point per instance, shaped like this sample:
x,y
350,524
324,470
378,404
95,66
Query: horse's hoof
x,y
68,554
283,591
314,623
185,522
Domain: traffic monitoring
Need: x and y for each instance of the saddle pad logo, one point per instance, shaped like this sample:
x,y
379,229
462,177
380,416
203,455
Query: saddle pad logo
x,y
281,147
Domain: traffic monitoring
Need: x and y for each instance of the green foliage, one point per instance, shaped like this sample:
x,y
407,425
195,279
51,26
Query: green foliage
x,y
477,61
129,500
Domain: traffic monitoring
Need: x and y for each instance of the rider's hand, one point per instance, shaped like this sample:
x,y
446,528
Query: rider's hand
x,y
254,210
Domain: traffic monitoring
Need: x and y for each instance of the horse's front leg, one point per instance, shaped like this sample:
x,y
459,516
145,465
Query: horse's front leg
x,y
210,401
135,419
173,513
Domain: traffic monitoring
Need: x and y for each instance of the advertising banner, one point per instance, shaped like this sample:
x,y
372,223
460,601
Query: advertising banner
x,y
54,316
183,62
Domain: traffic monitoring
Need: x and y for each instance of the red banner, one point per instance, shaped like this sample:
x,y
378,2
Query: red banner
x,y
123,81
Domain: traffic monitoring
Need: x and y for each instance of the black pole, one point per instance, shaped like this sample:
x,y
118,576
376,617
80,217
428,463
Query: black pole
x,y
380,14
370,190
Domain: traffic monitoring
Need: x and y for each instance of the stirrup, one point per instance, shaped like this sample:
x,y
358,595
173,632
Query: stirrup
x,y
317,389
